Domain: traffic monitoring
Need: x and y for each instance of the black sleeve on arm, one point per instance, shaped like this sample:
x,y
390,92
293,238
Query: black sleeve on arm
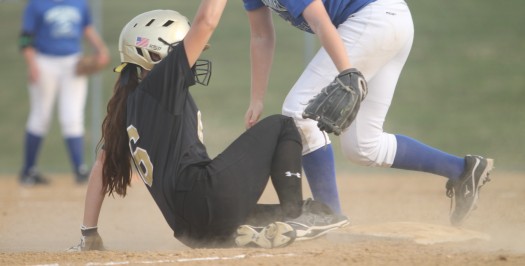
x,y
25,40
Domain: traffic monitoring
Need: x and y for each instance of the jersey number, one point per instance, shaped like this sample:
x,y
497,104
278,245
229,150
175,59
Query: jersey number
x,y
140,157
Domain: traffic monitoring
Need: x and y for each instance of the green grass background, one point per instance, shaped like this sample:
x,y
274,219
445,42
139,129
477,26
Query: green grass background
x,y
462,89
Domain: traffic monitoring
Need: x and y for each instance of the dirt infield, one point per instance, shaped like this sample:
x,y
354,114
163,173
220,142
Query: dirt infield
x,y
396,219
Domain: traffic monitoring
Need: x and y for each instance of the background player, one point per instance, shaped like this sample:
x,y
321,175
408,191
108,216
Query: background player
x,y
51,42
375,37
153,121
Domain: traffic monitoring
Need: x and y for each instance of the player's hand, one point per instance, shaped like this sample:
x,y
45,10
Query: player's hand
x,y
103,58
253,114
90,240
32,73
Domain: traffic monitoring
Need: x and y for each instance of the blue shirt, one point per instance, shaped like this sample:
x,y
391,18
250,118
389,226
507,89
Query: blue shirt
x,y
292,10
57,26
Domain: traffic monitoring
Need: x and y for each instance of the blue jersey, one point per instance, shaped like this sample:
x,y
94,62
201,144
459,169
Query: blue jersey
x,y
292,10
57,26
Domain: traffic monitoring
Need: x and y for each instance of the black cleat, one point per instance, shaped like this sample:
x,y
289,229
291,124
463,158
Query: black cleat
x,y
464,193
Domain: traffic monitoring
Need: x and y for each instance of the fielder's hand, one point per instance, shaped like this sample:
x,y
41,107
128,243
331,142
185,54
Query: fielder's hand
x,y
90,240
89,64
336,106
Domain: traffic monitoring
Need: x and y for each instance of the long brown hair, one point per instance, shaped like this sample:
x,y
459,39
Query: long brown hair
x,y
117,170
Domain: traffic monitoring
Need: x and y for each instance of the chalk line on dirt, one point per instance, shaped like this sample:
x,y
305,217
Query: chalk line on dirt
x,y
181,260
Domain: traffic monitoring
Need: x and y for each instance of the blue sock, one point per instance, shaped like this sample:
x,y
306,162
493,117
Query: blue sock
x,y
414,155
31,149
319,167
76,151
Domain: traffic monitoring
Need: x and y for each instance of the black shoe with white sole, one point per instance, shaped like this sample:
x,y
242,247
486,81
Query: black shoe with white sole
x,y
316,220
464,192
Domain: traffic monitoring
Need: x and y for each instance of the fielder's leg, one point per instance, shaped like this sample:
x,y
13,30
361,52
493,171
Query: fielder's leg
x,y
319,168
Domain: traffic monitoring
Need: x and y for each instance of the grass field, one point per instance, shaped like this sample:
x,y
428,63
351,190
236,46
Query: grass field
x,y
461,91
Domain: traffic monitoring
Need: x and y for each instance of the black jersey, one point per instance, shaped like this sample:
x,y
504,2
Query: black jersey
x,y
164,129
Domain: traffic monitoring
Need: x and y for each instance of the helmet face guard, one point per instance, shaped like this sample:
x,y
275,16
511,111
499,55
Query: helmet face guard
x,y
202,71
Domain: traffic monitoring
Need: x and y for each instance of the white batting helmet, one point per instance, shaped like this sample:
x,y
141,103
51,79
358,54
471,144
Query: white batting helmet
x,y
150,34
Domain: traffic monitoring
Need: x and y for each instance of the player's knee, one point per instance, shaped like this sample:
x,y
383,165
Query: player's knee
x,y
38,126
72,128
291,113
365,155
311,137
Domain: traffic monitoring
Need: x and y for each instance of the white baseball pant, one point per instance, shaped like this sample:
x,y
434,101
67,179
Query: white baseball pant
x,y
57,78
378,40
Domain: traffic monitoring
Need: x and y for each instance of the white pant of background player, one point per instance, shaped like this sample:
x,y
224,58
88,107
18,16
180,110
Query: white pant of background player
x,y
378,39
57,79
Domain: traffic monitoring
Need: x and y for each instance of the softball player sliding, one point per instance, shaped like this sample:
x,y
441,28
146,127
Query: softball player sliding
x,y
51,42
374,36
154,124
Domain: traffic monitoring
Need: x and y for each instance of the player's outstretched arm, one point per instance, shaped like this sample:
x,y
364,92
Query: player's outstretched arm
x,y
262,48
95,193
202,27
90,239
